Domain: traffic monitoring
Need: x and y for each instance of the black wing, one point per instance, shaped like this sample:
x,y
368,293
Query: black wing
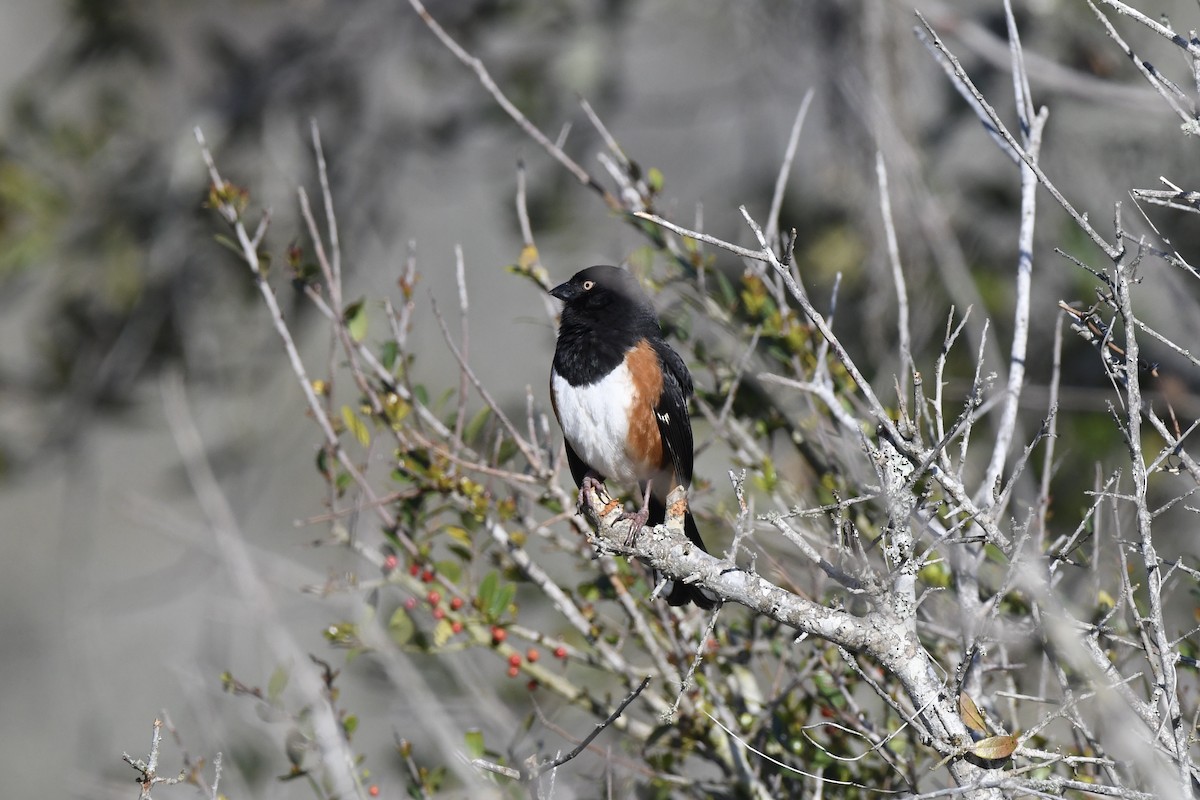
x,y
579,469
671,413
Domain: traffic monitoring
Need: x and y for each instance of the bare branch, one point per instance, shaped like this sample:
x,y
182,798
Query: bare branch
x,y
785,168
992,120
485,79
903,330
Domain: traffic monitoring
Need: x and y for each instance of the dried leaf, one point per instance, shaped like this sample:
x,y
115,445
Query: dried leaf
x,y
995,748
971,716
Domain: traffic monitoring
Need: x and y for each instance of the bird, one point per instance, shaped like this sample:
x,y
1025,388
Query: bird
x,y
620,392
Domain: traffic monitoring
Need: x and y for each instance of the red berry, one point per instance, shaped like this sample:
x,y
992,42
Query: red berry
x,y
434,597
439,613
498,634
532,655
456,626
560,652
373,790
414,569
531,685
456,603
427,576
514,672
390,562
410,603
514,661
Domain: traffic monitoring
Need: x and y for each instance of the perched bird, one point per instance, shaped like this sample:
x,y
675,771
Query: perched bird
x,y
620,395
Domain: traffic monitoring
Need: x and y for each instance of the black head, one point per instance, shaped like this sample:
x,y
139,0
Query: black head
x,y
608,294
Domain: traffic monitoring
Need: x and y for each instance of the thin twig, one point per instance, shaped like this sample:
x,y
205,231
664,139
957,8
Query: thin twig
x,y
993,120
485,79
753,255
600,726
785,168
464,346
903,329
1152,76
249,253
1006,427
528,451
1192,47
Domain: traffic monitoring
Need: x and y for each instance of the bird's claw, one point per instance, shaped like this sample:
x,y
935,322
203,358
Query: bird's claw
x,y
591,482
637,521
594,483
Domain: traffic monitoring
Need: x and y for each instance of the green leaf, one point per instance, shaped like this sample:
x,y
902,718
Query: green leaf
x,y
388,355
355,317
508,449
356,426
395,408
228,243
350,725
504,599
487,591
277,683
443,398
442,632
654,179
727,292
451,570
401,627
458,534
474,739
471,432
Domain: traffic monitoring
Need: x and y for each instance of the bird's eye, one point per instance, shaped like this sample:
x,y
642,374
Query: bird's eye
x,y
587,285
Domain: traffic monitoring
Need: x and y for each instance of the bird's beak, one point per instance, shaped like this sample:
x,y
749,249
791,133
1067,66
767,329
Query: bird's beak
x,y
565,291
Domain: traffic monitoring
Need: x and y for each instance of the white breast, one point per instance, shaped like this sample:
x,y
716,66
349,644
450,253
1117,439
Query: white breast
x,y
595,422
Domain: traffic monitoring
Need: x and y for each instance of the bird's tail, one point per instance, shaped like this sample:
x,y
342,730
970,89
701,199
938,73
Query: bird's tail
x,y
679,593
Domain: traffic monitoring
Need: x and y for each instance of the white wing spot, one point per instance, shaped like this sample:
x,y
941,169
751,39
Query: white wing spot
x,y
664,418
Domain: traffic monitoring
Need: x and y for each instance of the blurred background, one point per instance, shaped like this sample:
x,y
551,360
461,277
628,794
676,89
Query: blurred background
x,y
113,601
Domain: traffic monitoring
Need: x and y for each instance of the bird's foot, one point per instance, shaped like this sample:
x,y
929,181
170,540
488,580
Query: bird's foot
x,y
638,518
591,482
594,483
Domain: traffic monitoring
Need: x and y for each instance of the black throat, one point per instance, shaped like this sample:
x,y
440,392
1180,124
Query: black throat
x,y
586,352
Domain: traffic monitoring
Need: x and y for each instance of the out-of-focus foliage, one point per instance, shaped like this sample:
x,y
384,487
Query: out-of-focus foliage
x,y
103,232
99,185
101,188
